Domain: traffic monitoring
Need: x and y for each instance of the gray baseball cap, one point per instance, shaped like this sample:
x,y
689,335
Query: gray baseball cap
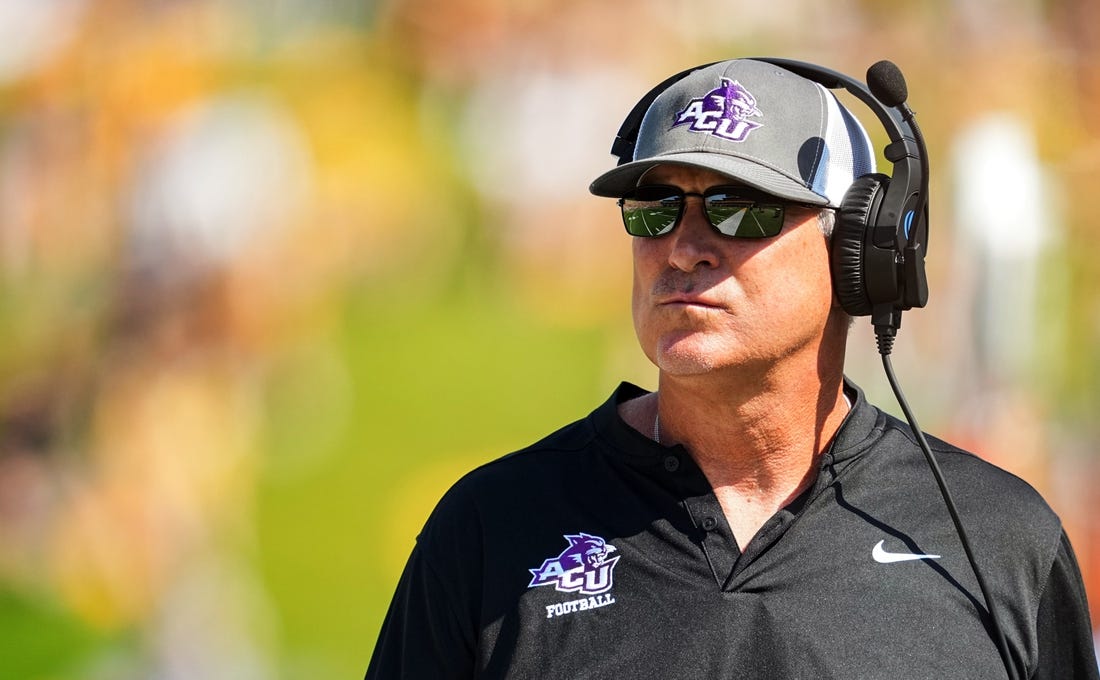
x,y
757,123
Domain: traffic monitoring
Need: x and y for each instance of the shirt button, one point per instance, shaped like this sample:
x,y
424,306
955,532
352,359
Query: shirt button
x,y
672,463
709,523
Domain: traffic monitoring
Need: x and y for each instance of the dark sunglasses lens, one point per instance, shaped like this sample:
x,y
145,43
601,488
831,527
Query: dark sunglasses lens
x,y
735,216
651,211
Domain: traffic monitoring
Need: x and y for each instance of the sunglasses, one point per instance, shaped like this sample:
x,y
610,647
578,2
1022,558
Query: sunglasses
x,y
733,211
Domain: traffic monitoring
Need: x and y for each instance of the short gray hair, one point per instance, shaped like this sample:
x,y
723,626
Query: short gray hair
x,y
826,219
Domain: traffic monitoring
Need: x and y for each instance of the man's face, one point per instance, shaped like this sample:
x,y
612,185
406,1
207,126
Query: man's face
x,y
703,301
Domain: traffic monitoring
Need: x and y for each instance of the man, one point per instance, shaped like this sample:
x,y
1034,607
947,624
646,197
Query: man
x,y
754,517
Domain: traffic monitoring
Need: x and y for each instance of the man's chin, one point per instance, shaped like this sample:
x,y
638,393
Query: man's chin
x,y
691,355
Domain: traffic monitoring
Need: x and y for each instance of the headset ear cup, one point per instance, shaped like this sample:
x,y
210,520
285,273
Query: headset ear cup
x,y
849,236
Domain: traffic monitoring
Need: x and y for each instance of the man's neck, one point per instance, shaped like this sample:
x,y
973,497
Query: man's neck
x,y
758,432
758,440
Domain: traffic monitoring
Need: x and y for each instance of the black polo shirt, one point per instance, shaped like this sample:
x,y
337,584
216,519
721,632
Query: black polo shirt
x,y
598,553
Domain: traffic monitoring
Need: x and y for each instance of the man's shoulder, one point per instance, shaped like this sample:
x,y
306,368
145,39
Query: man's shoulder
x,y
573,451
513,482
561,448
988,496
969,466
971,473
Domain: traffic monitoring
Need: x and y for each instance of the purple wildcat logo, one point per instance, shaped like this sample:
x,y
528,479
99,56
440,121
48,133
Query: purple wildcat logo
x,y
722,112
583,567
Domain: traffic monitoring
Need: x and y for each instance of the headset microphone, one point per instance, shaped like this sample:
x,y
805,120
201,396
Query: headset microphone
x,y
882,235
887,84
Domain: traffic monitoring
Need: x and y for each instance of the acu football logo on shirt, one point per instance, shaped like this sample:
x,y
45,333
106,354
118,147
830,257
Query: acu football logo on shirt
x,y
723,112
584,567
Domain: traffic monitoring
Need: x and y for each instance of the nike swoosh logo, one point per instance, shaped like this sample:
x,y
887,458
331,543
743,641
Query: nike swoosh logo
x,y
882,556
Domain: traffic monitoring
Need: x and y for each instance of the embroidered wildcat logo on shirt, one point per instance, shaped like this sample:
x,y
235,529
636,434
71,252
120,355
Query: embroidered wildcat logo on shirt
x,y
584,567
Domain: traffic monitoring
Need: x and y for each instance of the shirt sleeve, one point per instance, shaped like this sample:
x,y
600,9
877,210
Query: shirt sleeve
x,y
1066,648
423,636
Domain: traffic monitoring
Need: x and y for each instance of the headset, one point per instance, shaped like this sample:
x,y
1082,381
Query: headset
x,y
879,240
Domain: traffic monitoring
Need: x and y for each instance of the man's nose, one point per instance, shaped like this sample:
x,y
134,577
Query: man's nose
x,y
694,239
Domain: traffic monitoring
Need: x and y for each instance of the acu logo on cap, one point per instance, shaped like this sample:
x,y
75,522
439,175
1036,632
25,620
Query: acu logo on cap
x,y
723,112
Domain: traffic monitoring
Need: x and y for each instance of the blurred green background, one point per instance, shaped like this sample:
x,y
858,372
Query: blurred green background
x,y
275,273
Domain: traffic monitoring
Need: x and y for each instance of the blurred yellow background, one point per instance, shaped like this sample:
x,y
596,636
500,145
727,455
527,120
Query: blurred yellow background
x,y
274,273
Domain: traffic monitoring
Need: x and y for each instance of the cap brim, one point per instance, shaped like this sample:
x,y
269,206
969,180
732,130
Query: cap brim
x,y
621,180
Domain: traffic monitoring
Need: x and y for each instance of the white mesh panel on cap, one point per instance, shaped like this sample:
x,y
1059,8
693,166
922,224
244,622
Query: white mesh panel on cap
x,y
847,152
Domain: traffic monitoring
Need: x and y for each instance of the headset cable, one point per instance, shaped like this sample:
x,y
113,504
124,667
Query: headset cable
x,y
884,337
